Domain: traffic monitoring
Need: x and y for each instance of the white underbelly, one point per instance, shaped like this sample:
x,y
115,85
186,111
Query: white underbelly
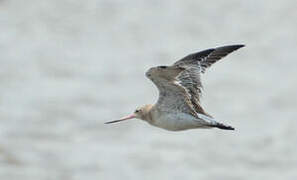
x,y
178,122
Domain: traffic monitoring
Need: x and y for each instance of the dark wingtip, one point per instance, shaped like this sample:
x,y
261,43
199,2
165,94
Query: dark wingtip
x,y
240,45
233,47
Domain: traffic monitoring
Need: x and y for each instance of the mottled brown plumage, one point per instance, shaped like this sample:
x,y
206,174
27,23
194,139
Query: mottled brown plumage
x,y
195,64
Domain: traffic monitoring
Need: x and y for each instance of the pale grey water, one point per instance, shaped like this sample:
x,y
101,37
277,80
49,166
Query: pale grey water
x,y
68,66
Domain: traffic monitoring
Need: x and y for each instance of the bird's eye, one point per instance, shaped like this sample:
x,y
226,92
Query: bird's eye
x,y
136,111
163,67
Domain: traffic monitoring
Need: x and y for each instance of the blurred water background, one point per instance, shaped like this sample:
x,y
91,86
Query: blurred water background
x,y
68,66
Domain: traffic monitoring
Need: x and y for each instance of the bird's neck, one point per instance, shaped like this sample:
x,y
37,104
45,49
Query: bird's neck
x,y
148,113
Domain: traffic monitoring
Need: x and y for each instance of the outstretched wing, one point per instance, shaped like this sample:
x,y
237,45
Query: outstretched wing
x,y
206,58
195,64
173,97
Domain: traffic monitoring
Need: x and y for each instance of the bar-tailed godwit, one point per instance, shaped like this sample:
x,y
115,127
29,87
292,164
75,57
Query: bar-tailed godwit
x,y
178,107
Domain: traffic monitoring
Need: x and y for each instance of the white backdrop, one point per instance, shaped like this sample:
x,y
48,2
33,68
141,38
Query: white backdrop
x,y
68,66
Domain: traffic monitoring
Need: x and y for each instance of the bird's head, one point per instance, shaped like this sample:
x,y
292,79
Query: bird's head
x,y
140,113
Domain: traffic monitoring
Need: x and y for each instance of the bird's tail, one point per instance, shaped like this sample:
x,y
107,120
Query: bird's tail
x,y
213,123
223,126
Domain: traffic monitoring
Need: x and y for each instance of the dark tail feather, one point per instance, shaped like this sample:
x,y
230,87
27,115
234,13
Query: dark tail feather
x,y
223,126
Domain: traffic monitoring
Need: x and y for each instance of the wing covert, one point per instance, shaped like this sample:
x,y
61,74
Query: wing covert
x,y
172,95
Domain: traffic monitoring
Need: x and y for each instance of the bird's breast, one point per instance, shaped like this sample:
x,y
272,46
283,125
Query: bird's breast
x,y
174,121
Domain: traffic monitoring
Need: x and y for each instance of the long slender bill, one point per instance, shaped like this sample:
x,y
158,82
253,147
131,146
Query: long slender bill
x,y
122,119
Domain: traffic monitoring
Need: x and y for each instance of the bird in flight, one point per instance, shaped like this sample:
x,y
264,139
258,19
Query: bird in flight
x,y
178,106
